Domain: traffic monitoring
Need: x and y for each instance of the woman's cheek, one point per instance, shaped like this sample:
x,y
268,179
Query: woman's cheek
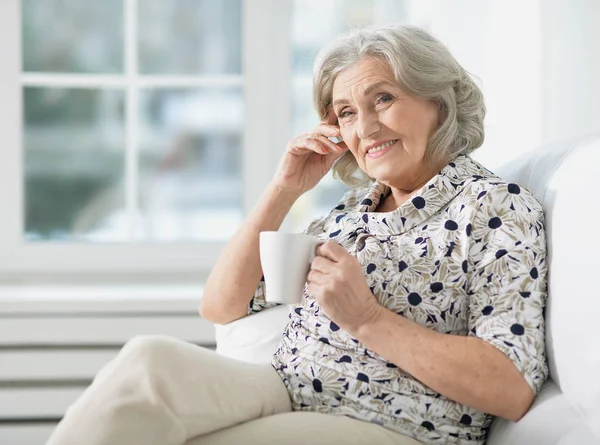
x,y
349,137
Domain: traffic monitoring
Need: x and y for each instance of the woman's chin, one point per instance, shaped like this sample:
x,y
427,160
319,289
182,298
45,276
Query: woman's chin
x,y
382,173
383,176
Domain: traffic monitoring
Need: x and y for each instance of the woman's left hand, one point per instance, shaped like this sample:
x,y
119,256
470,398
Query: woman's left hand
x,y
337,282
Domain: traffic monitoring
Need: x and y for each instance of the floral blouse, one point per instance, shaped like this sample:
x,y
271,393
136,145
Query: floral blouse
x,y
465,256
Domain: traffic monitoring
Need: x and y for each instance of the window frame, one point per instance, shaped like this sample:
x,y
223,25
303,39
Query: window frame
x,y
266,90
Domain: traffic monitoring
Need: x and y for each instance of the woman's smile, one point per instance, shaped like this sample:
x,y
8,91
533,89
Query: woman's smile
x,y
380,150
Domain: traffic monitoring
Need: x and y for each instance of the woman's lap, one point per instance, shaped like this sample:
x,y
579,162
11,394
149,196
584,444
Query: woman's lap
x,y
159,390
303,427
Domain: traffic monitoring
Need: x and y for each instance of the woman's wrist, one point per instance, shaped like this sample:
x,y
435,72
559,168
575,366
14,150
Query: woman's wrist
x,y
272,208
283,194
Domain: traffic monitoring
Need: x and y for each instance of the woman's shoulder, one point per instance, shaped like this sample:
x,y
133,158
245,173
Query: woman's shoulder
x,y
485,189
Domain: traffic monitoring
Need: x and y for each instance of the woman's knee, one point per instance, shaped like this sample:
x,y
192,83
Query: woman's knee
x,y
149,350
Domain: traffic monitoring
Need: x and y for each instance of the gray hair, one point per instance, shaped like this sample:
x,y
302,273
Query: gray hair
x,y
424,68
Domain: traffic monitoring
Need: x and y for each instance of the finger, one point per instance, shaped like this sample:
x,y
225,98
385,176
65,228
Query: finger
x,y
332,251
331,132
321,264
304,144
313,289
327,130
316,277
323,139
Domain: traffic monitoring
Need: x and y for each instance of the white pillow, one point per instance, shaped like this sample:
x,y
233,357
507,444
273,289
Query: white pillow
x,y
254,338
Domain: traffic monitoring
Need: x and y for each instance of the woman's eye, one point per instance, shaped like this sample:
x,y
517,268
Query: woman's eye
x,y
384,98
345,113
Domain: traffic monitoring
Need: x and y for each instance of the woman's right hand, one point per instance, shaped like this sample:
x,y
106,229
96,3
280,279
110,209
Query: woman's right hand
x,y
308,158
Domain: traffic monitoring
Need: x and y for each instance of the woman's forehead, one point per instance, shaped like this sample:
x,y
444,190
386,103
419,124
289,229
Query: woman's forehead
x,y
361,78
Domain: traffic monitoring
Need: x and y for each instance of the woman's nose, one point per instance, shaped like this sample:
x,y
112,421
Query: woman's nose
x,y
368,125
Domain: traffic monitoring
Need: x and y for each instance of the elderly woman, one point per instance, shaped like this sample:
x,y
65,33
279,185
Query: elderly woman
x,y
423,313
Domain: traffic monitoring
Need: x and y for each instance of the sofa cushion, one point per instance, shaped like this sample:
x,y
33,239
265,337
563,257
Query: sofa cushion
x,y
254,338
585,432
564,177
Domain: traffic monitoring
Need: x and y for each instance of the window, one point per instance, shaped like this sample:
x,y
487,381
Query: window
x,y
118,145
138,134
139,131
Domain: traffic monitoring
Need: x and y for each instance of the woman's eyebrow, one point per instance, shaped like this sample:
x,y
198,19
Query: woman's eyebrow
x,y
374,86
339,102
366,91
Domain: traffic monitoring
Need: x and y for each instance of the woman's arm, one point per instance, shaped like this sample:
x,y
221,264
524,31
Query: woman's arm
x,y
465,369
236,274
474,371
233,280
469,370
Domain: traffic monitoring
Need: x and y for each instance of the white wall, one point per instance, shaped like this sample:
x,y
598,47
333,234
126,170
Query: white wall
x,y
538,62
500,43
571,82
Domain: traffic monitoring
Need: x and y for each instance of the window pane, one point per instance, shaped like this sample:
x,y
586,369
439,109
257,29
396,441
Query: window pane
x,y
77,36
326,19
190,36
74,144
190,151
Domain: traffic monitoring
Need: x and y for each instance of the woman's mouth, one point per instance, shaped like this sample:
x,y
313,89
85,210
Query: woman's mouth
x,y
382,149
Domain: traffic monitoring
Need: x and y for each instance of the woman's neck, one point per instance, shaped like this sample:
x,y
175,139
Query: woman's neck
x,y
397,196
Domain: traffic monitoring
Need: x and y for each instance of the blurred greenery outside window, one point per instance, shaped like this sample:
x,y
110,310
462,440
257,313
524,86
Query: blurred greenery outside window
x,y
187,139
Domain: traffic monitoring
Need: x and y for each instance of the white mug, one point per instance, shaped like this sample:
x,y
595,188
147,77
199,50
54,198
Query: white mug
x,y
285,260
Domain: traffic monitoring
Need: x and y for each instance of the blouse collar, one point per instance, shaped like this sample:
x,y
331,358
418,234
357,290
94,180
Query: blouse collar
x,y
428,200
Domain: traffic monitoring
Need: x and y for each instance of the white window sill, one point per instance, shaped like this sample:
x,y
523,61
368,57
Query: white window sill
x,y
114,298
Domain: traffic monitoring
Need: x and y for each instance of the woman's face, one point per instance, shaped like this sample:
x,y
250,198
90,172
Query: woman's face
x,y
385,128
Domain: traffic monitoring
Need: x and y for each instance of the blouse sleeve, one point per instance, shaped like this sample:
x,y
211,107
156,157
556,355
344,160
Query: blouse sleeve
x,y
508,287
259,302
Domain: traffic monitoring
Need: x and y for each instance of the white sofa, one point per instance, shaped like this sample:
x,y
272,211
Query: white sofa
x,y
565,177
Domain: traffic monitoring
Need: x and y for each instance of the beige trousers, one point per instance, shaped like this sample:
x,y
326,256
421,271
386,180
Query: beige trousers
x,y
162,391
